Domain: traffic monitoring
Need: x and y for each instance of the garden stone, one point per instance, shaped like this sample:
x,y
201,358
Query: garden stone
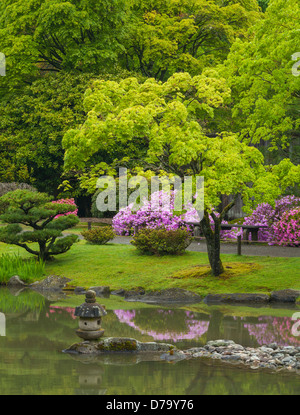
x,y
51,283
289,350
16,282
135,292
273,346
285,296
166,296
120,292
266,349
79,290
237,298
218,343
223,350
176,356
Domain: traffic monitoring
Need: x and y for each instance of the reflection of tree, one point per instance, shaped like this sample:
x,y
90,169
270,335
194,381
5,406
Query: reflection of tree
x,y
26,300
189,327
214,328
270,329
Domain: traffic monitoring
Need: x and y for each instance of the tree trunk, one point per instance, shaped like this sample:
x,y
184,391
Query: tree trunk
x,y
213,243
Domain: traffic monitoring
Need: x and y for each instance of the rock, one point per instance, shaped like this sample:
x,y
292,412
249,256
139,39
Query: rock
x,y
173,357
284,296
79,290
167,296
231,358
221,342
51,283
120,292
101,291
134,292
223,350
273,346
237,298
155,347
266,349
118,344
16,282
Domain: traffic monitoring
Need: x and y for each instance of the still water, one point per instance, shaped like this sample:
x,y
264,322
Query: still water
x,y
34,330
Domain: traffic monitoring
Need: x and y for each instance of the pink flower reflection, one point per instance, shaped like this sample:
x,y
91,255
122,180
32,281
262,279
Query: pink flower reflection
x,y
194,328
273,330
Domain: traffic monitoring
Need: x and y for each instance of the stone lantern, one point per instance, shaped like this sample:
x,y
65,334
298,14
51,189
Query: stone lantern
x,y
90,314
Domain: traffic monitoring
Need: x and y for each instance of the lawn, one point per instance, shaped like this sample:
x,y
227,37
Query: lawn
x,y
121,266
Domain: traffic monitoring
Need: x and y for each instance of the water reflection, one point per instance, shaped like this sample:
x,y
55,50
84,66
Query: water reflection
x,y
181,326
38,329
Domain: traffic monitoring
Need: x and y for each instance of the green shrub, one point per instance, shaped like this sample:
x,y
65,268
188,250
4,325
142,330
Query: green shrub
x,y
99,236
28,270
160,241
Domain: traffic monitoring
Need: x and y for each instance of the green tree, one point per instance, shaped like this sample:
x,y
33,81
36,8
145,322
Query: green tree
x,y
265,92
39,36
32,126
167,36
35,210
171,120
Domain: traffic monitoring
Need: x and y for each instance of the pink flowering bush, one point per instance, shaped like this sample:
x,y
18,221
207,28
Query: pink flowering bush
x,y
155,213
265,214
68,202
159,213
287,229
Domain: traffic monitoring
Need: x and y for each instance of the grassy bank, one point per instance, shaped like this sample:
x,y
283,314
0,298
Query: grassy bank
x,y
121,266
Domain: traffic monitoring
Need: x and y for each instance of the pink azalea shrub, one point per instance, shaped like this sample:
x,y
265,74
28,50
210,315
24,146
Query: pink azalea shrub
x,y
155,213
69,202
287,229
158,213
265,214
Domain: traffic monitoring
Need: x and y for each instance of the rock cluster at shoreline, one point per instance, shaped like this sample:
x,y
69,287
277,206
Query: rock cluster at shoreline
x,y
270,356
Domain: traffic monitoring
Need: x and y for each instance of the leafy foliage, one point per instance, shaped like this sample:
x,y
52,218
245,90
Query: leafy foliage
x,y
9,187
99,235
35,210
32,125
161,241
28,270
265,92
165,37
42,36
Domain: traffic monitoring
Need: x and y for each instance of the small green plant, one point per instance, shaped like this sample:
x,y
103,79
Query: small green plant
x,y
99,235
161,241
28,270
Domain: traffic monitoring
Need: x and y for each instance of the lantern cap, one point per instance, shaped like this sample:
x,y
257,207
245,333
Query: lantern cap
x,y
90,309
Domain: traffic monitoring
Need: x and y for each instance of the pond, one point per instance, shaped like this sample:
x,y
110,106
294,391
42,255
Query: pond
x,y
34,330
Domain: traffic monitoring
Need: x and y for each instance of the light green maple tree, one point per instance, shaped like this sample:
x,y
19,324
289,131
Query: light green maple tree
x,y
167,36
170,120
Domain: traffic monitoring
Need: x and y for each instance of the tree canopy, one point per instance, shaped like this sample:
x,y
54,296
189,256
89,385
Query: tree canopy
x,y
266,93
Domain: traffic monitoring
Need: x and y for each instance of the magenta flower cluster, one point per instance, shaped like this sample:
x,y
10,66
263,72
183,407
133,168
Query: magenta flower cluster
x,y
154,213
282,221
287,229
68,202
